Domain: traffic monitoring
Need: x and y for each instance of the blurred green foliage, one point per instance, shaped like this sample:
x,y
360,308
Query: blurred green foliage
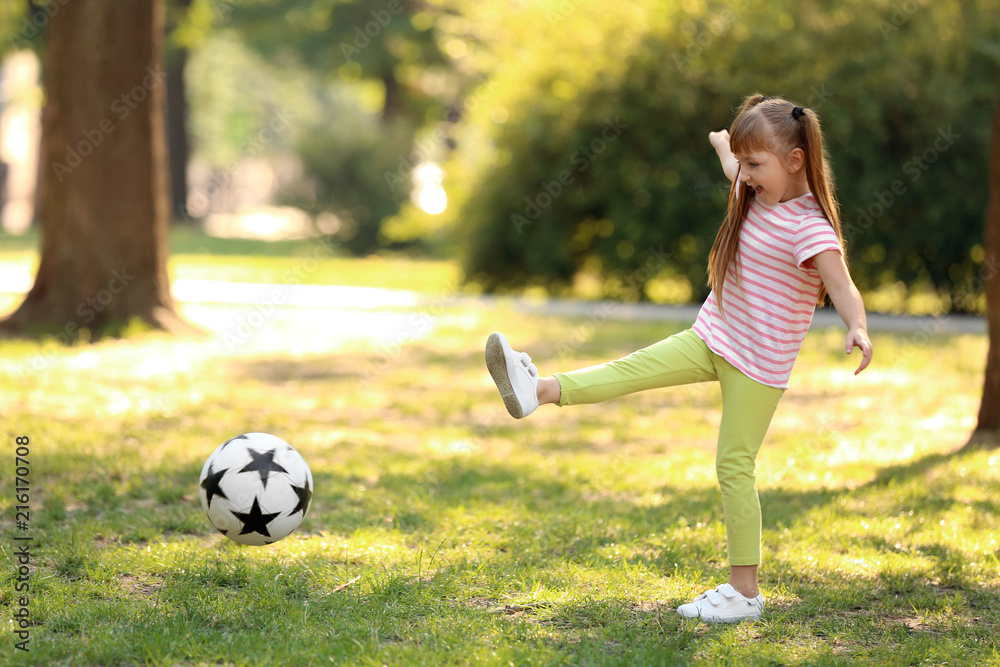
x,y
392,76
233,95
352,160
582,161
586,160
20,27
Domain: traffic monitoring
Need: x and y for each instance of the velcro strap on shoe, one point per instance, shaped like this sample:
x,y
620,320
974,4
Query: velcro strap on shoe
x,y
729,591
714,598
526,362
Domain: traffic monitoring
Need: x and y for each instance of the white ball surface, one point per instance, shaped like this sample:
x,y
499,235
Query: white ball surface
x,y
256,489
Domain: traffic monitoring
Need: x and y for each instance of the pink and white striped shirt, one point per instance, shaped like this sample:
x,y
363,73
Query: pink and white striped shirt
x,y
768,311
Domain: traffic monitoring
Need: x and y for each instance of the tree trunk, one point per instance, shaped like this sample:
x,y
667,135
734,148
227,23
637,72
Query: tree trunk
x,y
177,137
104,210
393,106
987,431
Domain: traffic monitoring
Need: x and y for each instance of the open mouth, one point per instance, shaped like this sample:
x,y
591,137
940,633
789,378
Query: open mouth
x,y
757,189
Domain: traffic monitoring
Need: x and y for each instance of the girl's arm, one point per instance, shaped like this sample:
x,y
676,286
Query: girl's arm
x,y
847,300
730,165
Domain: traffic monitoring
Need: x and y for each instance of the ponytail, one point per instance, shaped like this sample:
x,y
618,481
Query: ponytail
x,y
819,176
777,126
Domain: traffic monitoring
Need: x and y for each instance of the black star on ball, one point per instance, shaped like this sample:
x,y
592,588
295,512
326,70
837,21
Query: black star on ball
x,y
263,463
255,521
305,494
211,484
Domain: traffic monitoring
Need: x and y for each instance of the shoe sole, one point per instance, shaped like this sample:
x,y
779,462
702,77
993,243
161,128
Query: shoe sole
x,y
496,362
722,619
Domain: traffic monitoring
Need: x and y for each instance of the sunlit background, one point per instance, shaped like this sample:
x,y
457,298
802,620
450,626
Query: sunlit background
x,y
362,191
552,146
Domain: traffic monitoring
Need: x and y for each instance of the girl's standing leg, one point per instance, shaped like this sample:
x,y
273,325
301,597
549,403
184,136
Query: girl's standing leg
x,y
747,408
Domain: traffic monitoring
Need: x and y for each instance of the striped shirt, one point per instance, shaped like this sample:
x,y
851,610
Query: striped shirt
x,y
768,311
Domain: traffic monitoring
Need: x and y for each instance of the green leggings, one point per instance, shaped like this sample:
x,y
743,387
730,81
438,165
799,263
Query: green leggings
x,y
747,408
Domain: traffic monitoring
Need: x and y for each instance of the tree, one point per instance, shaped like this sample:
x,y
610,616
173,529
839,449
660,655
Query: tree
x,y
177,110
544,190
375,40
988,426
415,53
104,210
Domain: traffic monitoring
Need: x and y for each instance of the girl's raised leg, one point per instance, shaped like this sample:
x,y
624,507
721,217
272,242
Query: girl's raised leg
x,y
548,391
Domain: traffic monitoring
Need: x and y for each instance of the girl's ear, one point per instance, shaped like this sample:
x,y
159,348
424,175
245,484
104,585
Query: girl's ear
x,y
796,160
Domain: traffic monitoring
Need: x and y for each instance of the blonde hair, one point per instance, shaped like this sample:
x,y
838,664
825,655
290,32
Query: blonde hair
x,y
768,124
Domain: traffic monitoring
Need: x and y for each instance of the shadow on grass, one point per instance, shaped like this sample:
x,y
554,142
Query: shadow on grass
x,y
526,512
366,367
419,492
549,519
319,369
906,471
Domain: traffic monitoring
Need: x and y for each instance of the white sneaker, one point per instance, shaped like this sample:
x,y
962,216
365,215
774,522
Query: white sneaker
x,y
515,375
723,605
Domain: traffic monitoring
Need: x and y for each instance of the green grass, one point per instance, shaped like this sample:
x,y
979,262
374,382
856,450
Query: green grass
x,y
193,255
444,532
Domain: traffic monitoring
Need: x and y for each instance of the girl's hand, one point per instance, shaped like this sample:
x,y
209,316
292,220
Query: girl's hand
x,y
719,140
859,338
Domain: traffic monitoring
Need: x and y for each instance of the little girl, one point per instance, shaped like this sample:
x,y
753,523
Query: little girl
x,y
777,255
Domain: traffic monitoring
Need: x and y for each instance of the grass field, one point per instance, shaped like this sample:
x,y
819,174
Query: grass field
x,y
444,532
196,256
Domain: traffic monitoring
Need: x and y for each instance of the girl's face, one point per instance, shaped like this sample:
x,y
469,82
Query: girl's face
x,y
772,179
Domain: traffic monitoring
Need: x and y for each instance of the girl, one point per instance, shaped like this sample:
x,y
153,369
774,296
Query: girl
x,y
777,255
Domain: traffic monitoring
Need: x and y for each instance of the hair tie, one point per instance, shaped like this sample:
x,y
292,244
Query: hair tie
x,y
764,99
798,112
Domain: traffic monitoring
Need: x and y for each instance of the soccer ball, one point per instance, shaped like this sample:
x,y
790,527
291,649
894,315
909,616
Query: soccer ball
x,y
255,488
